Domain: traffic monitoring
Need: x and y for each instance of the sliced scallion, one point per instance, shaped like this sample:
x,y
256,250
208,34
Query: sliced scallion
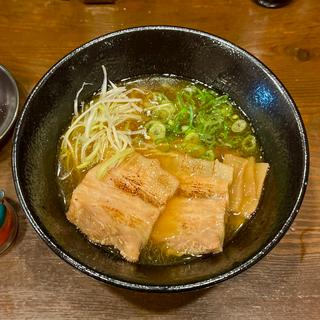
x,y
208,155
192,137
239,126
156,130
249,144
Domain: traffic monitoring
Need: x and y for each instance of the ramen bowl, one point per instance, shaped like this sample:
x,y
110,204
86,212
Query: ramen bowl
x,y
161,50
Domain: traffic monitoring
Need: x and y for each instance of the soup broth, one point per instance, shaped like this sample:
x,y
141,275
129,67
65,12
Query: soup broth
x,y
162,118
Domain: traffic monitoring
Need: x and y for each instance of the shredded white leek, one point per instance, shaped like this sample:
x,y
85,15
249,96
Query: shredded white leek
x,y
113,162
76,103
96,130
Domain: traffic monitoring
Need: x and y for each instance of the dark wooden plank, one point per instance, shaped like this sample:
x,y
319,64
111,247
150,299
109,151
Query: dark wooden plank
x,y
36,284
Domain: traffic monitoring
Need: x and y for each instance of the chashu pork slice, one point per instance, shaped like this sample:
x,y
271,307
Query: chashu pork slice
x,y
198,177
145,178
191,226
194,222
185,167
121,208
204,187
211,185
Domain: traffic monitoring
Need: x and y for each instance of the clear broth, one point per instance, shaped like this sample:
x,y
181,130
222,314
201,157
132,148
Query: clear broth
x,y
154,254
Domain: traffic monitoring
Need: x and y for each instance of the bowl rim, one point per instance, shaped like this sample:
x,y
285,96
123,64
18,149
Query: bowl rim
x,y
165,287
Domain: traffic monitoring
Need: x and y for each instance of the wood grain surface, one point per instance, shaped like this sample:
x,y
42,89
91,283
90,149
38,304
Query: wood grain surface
x,y
36,284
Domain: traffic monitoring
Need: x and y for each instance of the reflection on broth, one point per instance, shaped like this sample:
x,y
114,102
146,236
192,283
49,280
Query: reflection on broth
x,y
161,169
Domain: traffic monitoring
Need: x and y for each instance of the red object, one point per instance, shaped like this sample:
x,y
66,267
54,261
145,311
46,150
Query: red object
x,y
8,230
5,230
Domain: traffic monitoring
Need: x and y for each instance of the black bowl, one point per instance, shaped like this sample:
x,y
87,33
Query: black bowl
x,y
161,50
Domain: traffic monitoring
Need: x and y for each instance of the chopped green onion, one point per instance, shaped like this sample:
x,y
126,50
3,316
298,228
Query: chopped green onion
x,y
195,150
160,97
190,116
249,144
208,155
156,130
238,126
184,128
164,112
192,137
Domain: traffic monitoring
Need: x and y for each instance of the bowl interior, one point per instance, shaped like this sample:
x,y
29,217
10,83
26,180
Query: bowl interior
x,y
185,53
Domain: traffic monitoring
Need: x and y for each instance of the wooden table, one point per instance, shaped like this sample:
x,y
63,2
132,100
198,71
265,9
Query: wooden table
x,y
36,284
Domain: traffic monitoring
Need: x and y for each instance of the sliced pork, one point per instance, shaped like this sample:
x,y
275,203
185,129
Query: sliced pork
x,y
121,208
194,221
191,226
